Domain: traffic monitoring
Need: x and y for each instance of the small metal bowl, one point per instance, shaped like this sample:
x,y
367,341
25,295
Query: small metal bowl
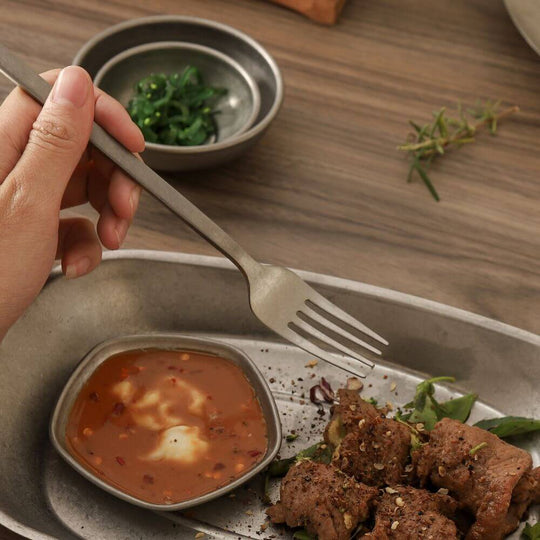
x,y
98,355
238,109
249,54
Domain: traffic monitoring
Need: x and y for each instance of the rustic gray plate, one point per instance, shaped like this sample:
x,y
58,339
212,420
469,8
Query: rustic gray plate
x,y
138,291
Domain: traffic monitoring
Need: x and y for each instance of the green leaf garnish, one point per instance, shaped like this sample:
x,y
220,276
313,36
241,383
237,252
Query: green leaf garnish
x,y
280,468
433,139
428,411
459,408
509,426
320,452
175,109
302,534
532,532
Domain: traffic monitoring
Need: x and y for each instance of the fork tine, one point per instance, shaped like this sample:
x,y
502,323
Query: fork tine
x,y
315,350
312,331
321,302
337,329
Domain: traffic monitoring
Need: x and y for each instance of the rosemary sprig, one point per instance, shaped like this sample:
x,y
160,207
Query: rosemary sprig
x,y
434,139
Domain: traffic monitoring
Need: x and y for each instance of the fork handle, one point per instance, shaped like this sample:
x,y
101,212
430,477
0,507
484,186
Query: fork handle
x,y
173,199
16,70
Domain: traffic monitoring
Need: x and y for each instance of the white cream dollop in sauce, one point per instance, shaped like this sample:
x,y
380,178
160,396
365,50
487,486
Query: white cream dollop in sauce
x,y
178,441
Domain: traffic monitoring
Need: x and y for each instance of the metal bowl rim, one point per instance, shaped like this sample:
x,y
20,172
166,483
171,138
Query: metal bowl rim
x,y
186,45
229,143
129,342
529,33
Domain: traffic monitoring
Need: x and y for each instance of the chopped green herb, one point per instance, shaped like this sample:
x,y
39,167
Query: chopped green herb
x,y
431,140
508,426
475,449
291,437
175,109
416,441
532,532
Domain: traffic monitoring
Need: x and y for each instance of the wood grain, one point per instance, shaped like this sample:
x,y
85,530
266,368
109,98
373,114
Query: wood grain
x,y
325,189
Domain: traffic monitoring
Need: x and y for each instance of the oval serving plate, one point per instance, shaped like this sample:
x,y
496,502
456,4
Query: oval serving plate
x,y
147,291
167,342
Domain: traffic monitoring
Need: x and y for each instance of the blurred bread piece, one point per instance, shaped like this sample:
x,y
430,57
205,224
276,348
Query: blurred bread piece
x,y
321,11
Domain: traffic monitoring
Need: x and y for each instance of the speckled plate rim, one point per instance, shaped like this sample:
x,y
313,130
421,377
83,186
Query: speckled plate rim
x,y
186,45
165,341
228,143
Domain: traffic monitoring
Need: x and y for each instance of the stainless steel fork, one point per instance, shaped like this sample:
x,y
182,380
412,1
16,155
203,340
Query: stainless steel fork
x,y
278,297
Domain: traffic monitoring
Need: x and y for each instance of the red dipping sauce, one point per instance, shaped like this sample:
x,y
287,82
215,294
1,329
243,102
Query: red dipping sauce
x,y
167,426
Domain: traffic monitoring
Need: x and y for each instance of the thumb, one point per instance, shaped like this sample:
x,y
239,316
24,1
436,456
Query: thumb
x,y
56,143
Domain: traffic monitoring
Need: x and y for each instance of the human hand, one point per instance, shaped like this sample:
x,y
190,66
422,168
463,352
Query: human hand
x,y
45,166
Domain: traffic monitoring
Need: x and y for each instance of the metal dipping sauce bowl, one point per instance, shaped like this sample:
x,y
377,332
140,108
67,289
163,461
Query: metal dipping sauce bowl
x,y
156,31
168,342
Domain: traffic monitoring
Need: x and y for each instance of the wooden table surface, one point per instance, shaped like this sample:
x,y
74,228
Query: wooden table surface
x,y
325,189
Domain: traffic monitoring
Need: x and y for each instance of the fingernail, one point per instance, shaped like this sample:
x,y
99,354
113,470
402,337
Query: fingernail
x,y
121,230
71,87
134,198
78,268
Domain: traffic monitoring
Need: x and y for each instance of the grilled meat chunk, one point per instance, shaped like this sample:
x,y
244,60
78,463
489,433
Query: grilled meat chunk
x,y
372,448
493,479
346,414
376,453
406,513
322,499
